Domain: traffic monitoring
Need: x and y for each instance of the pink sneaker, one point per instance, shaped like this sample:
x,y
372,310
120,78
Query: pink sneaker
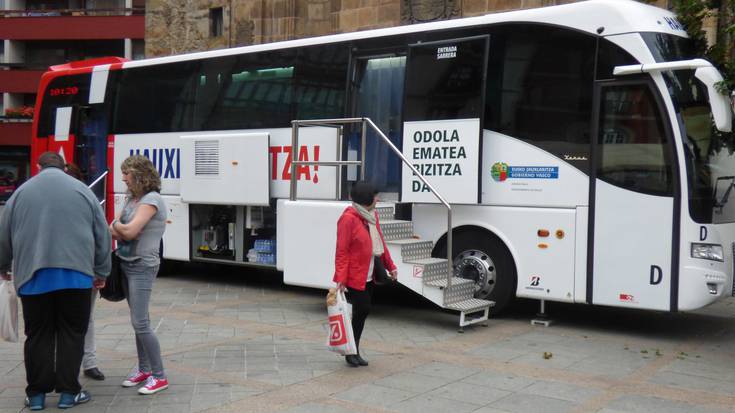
x,y
153,385
135,378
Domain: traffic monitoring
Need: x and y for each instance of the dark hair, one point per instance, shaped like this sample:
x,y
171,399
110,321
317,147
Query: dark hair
x,y
73,170
363,193
51,160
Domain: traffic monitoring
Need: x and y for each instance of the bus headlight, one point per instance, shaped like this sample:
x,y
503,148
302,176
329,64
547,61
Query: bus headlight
x,y
712,252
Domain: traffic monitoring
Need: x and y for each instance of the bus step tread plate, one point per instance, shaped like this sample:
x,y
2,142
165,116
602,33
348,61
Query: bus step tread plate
x,y
385,213
470,305
456,281
396,230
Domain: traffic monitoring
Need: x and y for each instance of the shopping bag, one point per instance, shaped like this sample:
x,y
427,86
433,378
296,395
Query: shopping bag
x,y
8,311
341,339
116,282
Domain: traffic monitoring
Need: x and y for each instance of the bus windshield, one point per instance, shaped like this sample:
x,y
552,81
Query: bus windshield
x,y
708,153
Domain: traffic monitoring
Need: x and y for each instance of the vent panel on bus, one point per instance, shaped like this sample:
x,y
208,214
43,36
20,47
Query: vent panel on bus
x,y
226,169
206,158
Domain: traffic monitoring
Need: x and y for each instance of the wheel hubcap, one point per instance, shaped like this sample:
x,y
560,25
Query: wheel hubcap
x,y
477,266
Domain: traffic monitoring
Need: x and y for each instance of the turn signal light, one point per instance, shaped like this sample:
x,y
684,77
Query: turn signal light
x,y
543,233
543,246
559,233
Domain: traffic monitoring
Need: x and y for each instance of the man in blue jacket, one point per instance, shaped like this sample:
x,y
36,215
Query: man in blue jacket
x,y
54,234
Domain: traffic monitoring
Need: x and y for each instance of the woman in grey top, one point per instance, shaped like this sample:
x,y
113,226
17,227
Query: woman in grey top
x,y
138,230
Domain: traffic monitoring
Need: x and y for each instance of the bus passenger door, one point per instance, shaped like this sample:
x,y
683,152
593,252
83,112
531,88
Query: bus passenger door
x,y
634,200
443,109
377,93
90,146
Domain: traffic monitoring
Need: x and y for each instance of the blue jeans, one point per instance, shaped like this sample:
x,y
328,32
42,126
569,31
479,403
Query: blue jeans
x,y
140,286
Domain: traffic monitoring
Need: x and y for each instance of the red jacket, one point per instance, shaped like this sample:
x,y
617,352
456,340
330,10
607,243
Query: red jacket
x,y
355,250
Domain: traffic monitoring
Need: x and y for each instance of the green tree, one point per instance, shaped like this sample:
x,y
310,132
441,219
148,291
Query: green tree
x,y
692,13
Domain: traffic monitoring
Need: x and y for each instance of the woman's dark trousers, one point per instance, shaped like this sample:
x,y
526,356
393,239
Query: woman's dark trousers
x,y
361,302
55,325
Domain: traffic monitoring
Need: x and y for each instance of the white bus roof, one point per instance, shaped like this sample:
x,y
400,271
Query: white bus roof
x,y
615,16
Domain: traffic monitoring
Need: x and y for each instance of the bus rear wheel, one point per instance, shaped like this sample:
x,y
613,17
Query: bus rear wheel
x,y
483,258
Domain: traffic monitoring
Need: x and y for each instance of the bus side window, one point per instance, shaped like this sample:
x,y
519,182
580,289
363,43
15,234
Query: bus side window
x,y
634,153
539,88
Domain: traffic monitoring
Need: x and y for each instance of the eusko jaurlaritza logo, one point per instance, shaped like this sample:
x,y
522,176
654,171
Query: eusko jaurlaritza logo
x,y
499,171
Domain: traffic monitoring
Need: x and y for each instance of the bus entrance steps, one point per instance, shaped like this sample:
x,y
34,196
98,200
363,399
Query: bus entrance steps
x,y
427,275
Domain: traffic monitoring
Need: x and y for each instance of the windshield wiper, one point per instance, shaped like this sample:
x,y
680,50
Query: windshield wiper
x,y
722,202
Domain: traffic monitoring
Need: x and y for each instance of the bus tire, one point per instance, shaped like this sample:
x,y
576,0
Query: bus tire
x,y
481,256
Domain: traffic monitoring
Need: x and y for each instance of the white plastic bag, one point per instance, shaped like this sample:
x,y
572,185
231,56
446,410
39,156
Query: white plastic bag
x,y
341,339
8,312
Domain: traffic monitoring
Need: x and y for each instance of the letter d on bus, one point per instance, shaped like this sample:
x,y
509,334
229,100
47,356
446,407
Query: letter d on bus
x,y
657,275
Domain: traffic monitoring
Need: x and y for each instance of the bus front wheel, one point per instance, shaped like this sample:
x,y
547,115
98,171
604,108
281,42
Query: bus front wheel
x,y
483,258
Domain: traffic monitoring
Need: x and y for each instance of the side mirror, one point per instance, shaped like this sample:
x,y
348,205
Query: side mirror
x,y
721,113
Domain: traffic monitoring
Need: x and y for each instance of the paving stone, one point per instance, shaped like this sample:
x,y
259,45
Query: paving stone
x,y
687,381
430,403
470,393
486,409
605,369
169,408
641,404
500,381
564,391
214,361
318,408
522,403
500,353
558,359
707,367
445,371
374,396
610,411
416,383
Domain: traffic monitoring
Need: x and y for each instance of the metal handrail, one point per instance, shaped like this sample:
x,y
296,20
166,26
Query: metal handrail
x,y
364,121
104,182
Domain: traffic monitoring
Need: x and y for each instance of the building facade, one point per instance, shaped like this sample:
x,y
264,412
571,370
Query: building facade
x,y
36,34
178,26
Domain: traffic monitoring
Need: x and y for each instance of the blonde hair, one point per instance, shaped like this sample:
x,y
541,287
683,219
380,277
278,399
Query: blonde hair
x,y
144,175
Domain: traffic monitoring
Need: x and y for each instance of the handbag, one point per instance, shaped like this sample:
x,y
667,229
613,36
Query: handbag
x,y
341,338
8,312
116,283
380,274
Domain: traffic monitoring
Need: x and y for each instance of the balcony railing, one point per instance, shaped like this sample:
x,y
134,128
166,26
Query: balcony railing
x,y
74,12
11,119
28,65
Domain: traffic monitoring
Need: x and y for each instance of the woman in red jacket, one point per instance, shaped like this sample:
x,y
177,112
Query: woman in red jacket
x,y
360,251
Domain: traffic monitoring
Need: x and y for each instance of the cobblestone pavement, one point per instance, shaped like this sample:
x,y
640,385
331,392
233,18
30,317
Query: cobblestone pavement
x,y
234,341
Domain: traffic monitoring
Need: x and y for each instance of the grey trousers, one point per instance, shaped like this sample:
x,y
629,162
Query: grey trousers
x,y
140,286
89,360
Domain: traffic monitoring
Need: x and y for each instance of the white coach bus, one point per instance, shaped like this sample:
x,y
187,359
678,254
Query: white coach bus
x,y
586,154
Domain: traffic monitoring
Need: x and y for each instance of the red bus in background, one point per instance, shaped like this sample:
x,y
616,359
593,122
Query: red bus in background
x,y
68,123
